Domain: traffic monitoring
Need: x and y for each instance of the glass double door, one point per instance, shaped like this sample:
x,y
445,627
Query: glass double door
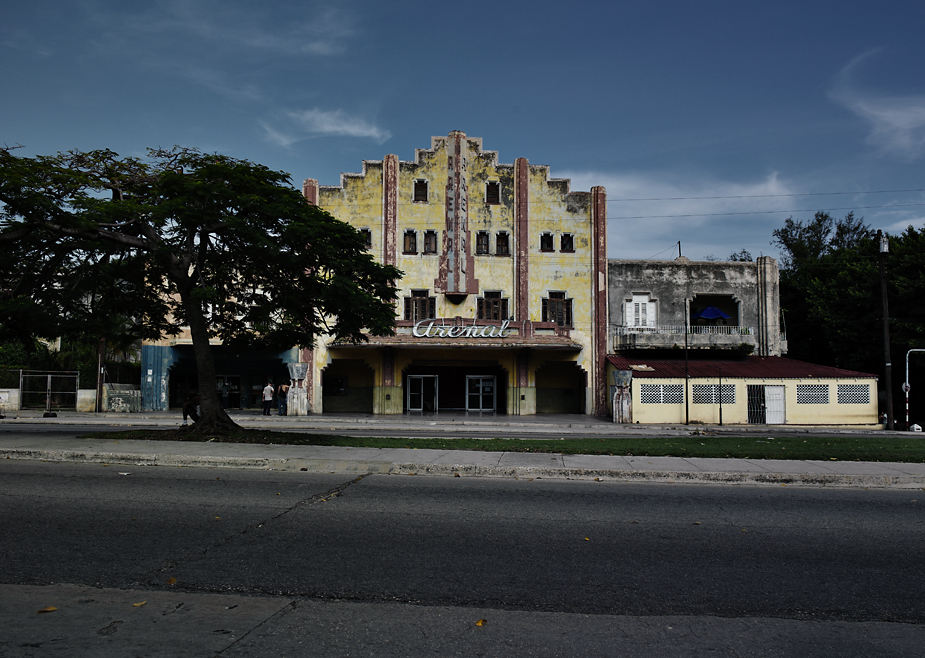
x,y
422,393
480,393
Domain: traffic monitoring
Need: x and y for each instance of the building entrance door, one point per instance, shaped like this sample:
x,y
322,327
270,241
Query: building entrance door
x,y
422,393
480,393
766,405
774,400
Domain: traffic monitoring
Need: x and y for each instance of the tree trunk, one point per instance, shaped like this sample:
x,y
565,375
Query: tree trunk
x,y
214,420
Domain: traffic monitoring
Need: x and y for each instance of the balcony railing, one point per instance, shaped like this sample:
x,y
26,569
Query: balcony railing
x,y
678,329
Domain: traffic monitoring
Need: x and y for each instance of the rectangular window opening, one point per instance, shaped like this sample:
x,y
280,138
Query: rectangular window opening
x,y
502,245
481,243
430,242
420,191
567,242
420,306
546,242
410,242
493,192
492,307
558,309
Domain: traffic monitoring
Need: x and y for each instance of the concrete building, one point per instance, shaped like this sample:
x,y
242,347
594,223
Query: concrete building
x,y
503,300
700,342
648,388
661,304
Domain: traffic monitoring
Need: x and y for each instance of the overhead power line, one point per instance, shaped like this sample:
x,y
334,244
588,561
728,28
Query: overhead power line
x,y
764,196
764,212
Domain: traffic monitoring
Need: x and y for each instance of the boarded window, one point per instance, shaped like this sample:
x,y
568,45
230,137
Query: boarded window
x,y
567,242
546,242
492,307
430,242
558,309
420,191
411,242
481,243
493,192
420,306
502,245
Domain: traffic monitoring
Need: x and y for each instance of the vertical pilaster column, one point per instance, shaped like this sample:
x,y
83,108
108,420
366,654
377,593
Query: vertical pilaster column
x,y
389,209
310,190
599,296
522,238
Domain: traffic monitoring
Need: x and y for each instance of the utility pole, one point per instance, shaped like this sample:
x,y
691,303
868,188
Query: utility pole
x,y
888,367
906,387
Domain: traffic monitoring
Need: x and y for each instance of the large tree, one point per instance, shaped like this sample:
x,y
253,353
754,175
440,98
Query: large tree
x,y
830,294
93,242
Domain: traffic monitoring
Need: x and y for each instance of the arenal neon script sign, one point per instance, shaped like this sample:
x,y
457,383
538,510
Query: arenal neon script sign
x,y
430,329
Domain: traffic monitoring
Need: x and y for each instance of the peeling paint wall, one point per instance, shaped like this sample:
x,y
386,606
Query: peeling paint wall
x,y
460,206
747,291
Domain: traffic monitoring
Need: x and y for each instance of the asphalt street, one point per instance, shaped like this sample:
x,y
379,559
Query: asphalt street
x,y
324,564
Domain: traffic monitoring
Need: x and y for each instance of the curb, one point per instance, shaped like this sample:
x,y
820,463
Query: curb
x,y
359,467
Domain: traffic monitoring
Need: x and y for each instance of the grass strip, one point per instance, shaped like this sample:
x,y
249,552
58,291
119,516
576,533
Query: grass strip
x,y
861,448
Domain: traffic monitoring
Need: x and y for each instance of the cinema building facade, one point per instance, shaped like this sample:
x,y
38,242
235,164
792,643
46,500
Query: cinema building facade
x,y
508,305
503,302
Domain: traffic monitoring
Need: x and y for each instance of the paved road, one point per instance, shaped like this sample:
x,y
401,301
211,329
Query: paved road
x,y
393,565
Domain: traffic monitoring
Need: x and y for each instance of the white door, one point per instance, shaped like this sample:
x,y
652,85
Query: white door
x,y
774,403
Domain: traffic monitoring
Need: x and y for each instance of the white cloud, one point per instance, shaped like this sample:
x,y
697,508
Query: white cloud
x,y
303,124
897,122
322,33
648,214
901,225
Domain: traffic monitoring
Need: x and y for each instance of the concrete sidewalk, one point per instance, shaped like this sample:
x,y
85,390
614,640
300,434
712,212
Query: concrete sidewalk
x,y
22,438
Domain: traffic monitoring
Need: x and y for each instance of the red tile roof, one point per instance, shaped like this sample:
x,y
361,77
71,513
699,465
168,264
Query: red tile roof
x,y
751,367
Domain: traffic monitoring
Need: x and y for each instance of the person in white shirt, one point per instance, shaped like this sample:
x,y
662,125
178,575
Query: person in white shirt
x,y
267,398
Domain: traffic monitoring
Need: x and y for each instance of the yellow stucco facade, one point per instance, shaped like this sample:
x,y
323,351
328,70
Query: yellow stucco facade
x,y
512,258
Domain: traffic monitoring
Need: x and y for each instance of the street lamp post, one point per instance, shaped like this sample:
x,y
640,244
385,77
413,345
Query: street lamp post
x,y
888,367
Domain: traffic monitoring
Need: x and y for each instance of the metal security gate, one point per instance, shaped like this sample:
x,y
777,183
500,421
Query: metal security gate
x,y
48,390
766,405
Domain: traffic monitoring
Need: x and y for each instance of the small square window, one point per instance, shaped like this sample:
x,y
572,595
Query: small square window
x,y
502,245
411,242
481,243
420,191
558,309
546,242
420,306
567,242
492,307
367,237
493,192
430,242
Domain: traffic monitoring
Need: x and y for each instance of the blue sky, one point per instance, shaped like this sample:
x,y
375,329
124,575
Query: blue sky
x,y
778,104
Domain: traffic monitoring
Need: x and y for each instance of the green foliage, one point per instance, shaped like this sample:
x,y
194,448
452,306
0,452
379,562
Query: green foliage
x,y
94,245
830,293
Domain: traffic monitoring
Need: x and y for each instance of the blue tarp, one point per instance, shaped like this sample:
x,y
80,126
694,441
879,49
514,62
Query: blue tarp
x,y
710,313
